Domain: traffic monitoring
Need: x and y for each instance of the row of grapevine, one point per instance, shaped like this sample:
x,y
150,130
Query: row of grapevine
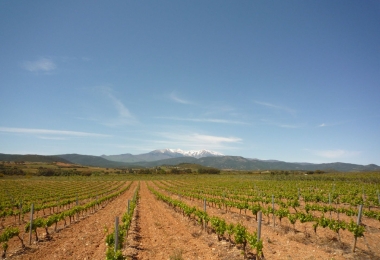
x,y
310,191
9,233
245,202
44,191
283,212
238,232
46,223
115,240
21,205
67,200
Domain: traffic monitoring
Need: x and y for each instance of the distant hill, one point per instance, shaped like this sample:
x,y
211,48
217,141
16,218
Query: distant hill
x,y
90,160
241,163
31,158
127,157
162,154
220,162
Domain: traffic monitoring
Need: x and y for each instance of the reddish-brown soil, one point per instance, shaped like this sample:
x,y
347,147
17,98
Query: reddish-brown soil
x,y
161,233
84,239
285,242
158,232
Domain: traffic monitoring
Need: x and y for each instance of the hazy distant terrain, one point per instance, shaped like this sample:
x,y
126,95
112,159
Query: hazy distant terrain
x,y
166,157
162,154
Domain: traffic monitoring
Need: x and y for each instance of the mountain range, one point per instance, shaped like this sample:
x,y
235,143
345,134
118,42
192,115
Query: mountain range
x,y
176,156
162,154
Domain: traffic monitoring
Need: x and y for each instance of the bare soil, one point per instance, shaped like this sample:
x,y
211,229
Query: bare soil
x,y
158,232
161,233
283,241
84,239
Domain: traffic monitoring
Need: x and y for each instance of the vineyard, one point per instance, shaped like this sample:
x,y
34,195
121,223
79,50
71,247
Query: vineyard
x,y
223,216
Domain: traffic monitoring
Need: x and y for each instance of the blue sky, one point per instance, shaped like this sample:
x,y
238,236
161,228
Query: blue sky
x,y
297,81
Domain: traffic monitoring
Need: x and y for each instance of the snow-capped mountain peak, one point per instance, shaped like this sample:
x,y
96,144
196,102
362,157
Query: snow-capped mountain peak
x,y
191,153
161,155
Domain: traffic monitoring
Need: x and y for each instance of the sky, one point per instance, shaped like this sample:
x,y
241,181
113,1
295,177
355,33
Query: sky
x,y
296,81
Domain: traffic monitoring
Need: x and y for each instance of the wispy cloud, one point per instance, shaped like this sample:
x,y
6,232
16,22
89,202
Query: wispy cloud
x,y
277,107
122,110
332,124
214,139
206,120
334,154
196,141
175,98
52,138
124,116
35,131
40,65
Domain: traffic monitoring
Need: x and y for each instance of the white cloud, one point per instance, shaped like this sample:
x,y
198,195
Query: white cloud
x,y
282,108
124,116
190,141
332,124
42,64
214,139
175,98
35,131
123,111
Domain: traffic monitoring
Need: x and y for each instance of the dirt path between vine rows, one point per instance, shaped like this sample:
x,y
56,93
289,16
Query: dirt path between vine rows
x,y
161,233
84,239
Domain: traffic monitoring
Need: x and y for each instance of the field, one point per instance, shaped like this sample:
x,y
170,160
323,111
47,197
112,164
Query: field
x,y
191,216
